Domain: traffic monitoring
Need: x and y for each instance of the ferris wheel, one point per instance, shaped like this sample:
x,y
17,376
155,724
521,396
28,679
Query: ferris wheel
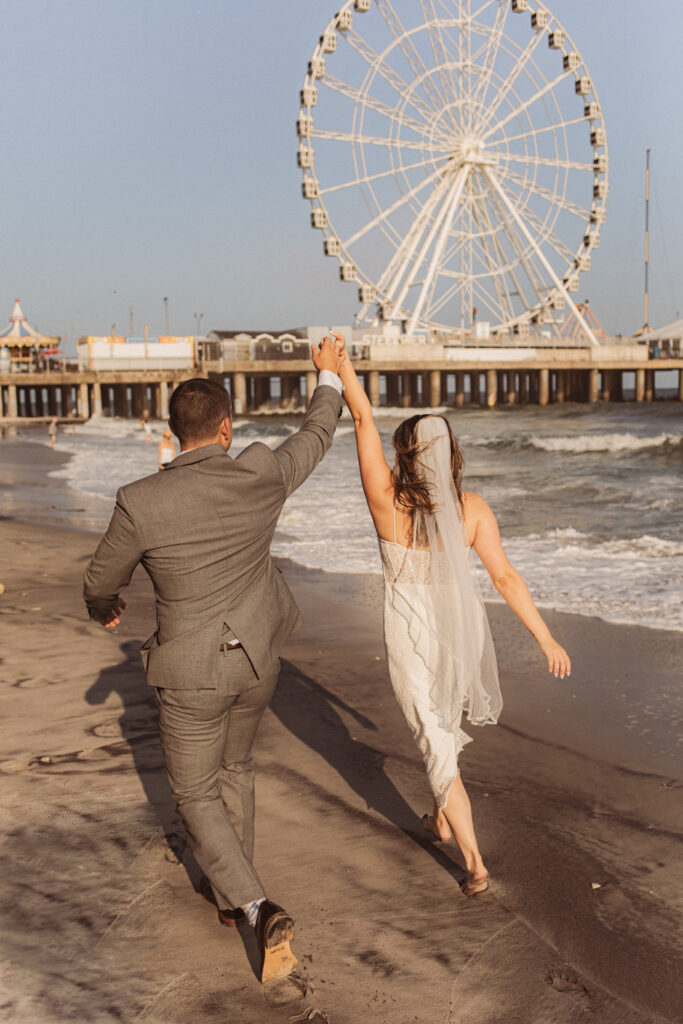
x,y
455,158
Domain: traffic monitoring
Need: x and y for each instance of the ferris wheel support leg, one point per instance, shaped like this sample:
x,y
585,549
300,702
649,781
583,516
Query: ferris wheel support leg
x,y
514,241
539,254
450,206
424,249
400,263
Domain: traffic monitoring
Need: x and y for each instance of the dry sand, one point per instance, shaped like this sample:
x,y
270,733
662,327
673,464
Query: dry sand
x,y
102,921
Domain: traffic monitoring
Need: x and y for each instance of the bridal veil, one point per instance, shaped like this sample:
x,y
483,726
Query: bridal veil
x,y
444,600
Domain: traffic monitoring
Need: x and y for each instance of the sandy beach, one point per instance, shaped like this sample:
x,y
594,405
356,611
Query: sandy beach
x,y
577,799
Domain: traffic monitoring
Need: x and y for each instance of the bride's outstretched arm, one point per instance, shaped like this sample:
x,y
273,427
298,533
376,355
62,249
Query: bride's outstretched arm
x,y
374,469
509,583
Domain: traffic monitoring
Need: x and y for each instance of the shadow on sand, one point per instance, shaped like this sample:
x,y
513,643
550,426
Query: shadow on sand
x,y
305,707
139,729
310,712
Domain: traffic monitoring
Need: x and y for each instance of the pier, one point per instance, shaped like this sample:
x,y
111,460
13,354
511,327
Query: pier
x,y
446,383
465,378
80,394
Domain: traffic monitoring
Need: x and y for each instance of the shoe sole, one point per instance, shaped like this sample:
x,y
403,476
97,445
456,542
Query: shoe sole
x,y
278,959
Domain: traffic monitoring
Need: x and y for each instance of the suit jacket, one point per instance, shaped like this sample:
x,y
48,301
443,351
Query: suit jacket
x,y
202,529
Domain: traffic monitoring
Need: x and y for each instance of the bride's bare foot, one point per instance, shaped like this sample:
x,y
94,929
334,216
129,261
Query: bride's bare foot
x,y
436,824
476,881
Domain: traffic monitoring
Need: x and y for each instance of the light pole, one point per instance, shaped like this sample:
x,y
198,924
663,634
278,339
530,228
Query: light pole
x,y
166,314
198,323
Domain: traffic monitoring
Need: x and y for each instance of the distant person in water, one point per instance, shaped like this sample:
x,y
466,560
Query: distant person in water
x,y
144,423
440,652
53,431
166,450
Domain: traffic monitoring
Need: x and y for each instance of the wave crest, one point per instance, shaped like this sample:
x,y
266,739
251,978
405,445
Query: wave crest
x,y
604,442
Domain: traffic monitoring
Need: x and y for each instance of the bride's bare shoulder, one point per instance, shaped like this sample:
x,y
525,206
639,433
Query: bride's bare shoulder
x,y
473,503
475,509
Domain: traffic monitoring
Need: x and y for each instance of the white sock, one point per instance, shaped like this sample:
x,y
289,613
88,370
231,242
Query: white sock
x,y
251,910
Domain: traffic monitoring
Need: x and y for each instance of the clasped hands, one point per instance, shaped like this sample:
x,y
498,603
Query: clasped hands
x,y
330,354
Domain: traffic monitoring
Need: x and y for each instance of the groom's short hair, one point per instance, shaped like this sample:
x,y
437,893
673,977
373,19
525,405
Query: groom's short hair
x,y
197,409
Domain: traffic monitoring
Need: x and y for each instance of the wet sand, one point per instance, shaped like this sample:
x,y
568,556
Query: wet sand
x,y
102,921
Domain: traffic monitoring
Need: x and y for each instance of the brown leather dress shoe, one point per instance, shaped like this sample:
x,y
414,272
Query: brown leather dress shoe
x,y
230,918
274,932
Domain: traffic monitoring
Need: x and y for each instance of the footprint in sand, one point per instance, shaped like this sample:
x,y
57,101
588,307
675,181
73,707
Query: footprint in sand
x,y
33,684
106,729
563,979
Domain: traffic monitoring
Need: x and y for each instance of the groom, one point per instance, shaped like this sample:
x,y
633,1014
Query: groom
x,y
203,530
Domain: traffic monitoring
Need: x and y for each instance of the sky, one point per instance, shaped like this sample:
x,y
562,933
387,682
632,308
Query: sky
x,y
150,152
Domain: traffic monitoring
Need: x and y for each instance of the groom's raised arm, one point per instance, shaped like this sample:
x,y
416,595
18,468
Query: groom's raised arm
x,y
298,456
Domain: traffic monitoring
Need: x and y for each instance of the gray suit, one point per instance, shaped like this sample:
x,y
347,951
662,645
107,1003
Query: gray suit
x,y
202,529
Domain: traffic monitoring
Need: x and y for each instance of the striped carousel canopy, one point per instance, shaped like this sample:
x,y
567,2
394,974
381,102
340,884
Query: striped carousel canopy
x,y
19,331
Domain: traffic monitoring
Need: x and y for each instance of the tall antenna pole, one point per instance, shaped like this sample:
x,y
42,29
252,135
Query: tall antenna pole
x,y
646,325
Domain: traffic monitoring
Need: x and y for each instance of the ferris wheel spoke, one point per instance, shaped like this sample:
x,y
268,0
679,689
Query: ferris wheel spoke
x,y
543,161
485,242
522,249
545,230
442,56
546,234
547,194
504,259
447,296
484,296
509,83
356,138
376,221
450,205
393,114
538,95
466,6
410,52
533,133
539,254
369,178
491,53
379,64
400,262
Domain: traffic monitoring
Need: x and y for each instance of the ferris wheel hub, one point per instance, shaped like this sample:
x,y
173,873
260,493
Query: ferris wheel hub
x,y
469,149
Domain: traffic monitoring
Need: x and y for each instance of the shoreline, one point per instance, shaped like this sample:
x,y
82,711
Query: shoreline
x,y
583,852
76,510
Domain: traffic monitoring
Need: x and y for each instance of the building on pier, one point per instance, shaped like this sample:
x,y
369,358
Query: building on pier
x,y
292,343
146,353
666,342
21,345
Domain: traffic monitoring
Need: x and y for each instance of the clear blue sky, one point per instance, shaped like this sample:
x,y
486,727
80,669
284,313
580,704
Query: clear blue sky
x,y
149,151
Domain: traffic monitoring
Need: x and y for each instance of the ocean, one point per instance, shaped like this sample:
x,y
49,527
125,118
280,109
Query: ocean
x,y
589,498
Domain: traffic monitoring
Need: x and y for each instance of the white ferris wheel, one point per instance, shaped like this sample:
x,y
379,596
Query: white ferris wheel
x,y
455,158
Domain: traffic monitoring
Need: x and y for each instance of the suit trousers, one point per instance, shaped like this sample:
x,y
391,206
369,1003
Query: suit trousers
x,y
206,736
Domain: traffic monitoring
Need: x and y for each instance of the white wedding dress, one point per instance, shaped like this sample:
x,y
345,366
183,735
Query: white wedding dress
x,y
439,647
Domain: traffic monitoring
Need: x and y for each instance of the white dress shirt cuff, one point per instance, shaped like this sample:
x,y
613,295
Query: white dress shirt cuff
x,y
330,378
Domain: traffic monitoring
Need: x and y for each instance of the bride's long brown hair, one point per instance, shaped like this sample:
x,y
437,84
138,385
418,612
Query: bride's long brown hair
x,y
411,493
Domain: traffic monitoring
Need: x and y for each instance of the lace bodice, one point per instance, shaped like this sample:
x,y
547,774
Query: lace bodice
x,y
412,565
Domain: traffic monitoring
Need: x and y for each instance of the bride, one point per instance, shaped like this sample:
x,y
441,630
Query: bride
x,y
439,648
